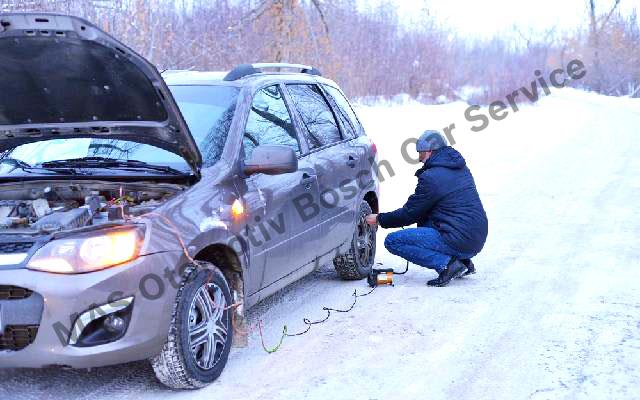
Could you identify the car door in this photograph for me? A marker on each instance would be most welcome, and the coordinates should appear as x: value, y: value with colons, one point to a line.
x: 359, y: 148
x: 335, y: 164
x: 276, y: 235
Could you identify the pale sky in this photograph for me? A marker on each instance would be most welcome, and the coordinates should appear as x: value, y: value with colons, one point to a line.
x: 486, y: 17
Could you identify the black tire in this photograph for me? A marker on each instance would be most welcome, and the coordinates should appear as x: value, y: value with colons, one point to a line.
x: 178, y: 366
x: 358, y: 261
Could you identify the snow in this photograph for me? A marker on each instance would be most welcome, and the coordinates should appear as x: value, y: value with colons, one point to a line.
x: 467, y: 92
x: 553, y: 312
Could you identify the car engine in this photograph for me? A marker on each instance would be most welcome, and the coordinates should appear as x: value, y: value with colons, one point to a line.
x: 47, y: 207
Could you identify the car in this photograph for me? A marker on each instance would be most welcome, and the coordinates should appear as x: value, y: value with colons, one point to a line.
x: 142, y: 214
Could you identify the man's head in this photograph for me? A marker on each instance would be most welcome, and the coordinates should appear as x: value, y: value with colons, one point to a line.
x: 429, y: 142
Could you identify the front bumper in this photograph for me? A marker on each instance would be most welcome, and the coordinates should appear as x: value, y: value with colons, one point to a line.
x: 67, y: 296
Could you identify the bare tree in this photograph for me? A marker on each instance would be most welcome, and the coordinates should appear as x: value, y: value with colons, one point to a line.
x: 594, y: 38
x: 285, y: 21
x: 369, y: 52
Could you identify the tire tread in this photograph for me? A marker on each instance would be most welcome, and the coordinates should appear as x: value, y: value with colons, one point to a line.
x: 347, y: 265
x: 169, y: 365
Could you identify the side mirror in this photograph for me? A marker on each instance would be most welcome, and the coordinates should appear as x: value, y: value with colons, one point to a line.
x: 271, y: 160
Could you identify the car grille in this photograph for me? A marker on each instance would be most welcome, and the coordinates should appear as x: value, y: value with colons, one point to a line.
x: 9, y: 248
x: 13, y: 292
x: 17, y: 337
x: 20, y: 316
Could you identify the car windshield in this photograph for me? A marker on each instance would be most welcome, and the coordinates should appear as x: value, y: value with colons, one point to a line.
x: 16, y: 161
x: 209, y: 111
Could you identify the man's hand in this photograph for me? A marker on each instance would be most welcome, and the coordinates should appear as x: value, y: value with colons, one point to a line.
x: 371, y: 219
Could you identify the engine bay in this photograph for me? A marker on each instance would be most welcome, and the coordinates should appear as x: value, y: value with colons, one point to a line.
x: 47, y: 207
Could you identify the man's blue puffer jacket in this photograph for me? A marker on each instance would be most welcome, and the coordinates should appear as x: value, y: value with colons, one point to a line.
x: 447, y: 200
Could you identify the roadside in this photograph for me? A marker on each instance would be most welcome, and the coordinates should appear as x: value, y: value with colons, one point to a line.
x: 554, y: 311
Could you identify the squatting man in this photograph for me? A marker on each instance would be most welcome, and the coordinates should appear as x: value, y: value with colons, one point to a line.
x: 451, y: 222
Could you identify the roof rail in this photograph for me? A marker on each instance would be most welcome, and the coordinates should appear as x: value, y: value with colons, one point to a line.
x: 243, y: 70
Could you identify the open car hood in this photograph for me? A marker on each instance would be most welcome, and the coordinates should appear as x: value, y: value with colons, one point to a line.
x: 62, y: 77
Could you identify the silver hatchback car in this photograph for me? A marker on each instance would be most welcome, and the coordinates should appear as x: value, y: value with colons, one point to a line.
x: 140, y: 216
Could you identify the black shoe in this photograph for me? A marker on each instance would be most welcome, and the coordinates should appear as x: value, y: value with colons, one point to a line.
x: 471, y: 269
x: 453, y: 270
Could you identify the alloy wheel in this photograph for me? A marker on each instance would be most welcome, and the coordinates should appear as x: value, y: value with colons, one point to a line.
x: 207, y: 328
x: 364, y: 242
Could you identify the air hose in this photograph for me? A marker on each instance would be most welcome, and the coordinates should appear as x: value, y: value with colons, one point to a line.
x: 310, y: 323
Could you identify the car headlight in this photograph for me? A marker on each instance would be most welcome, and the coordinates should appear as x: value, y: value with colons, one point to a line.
x: 88, y: 253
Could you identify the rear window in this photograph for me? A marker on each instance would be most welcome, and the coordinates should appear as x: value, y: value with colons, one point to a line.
x: 209, y: 111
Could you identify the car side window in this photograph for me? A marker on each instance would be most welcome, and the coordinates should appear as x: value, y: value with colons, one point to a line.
x: 344, y: 108
x: 269, y: 122
x: 347, y: 127
x: 322, y: 128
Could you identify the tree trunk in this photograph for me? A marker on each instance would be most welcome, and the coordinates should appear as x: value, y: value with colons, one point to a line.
x: 594, y: 41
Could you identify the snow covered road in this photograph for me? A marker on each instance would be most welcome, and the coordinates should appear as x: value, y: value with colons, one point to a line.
x: 554, y: 311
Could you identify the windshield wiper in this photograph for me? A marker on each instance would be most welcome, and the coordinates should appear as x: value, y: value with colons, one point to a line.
x: 103, y: 162
x: 15, y: 162
x: 26, y: 167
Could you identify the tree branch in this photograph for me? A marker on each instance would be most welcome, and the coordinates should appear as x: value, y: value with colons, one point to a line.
x: 254, y: 14
x: 286, y: 126
x: 604, y: 23
x: 316, y: 4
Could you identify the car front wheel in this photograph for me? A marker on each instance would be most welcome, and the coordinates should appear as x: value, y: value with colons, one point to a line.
x: 200, y: 334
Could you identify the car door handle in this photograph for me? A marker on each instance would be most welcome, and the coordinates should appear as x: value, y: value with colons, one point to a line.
x: 352, y: 161
x: 307, y: 180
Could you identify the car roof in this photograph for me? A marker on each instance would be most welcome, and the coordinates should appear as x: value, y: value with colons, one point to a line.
x: 189, y: 77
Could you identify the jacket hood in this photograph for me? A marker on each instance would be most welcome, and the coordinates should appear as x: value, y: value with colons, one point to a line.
x: 62, y: 77
x: 446, y: 157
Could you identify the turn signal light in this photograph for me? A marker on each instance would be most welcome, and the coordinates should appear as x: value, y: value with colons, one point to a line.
x: 237, y: 209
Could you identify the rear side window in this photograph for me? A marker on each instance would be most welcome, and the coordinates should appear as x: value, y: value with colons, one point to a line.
x: 322, y: 128
x: 344, y: 108
x: 269, y: 122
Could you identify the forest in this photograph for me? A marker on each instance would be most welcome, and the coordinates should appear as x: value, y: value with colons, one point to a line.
x: 371, y: 52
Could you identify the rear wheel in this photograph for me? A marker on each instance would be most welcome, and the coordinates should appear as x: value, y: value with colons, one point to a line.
x: 200, y: 334
x: 358, y: 261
